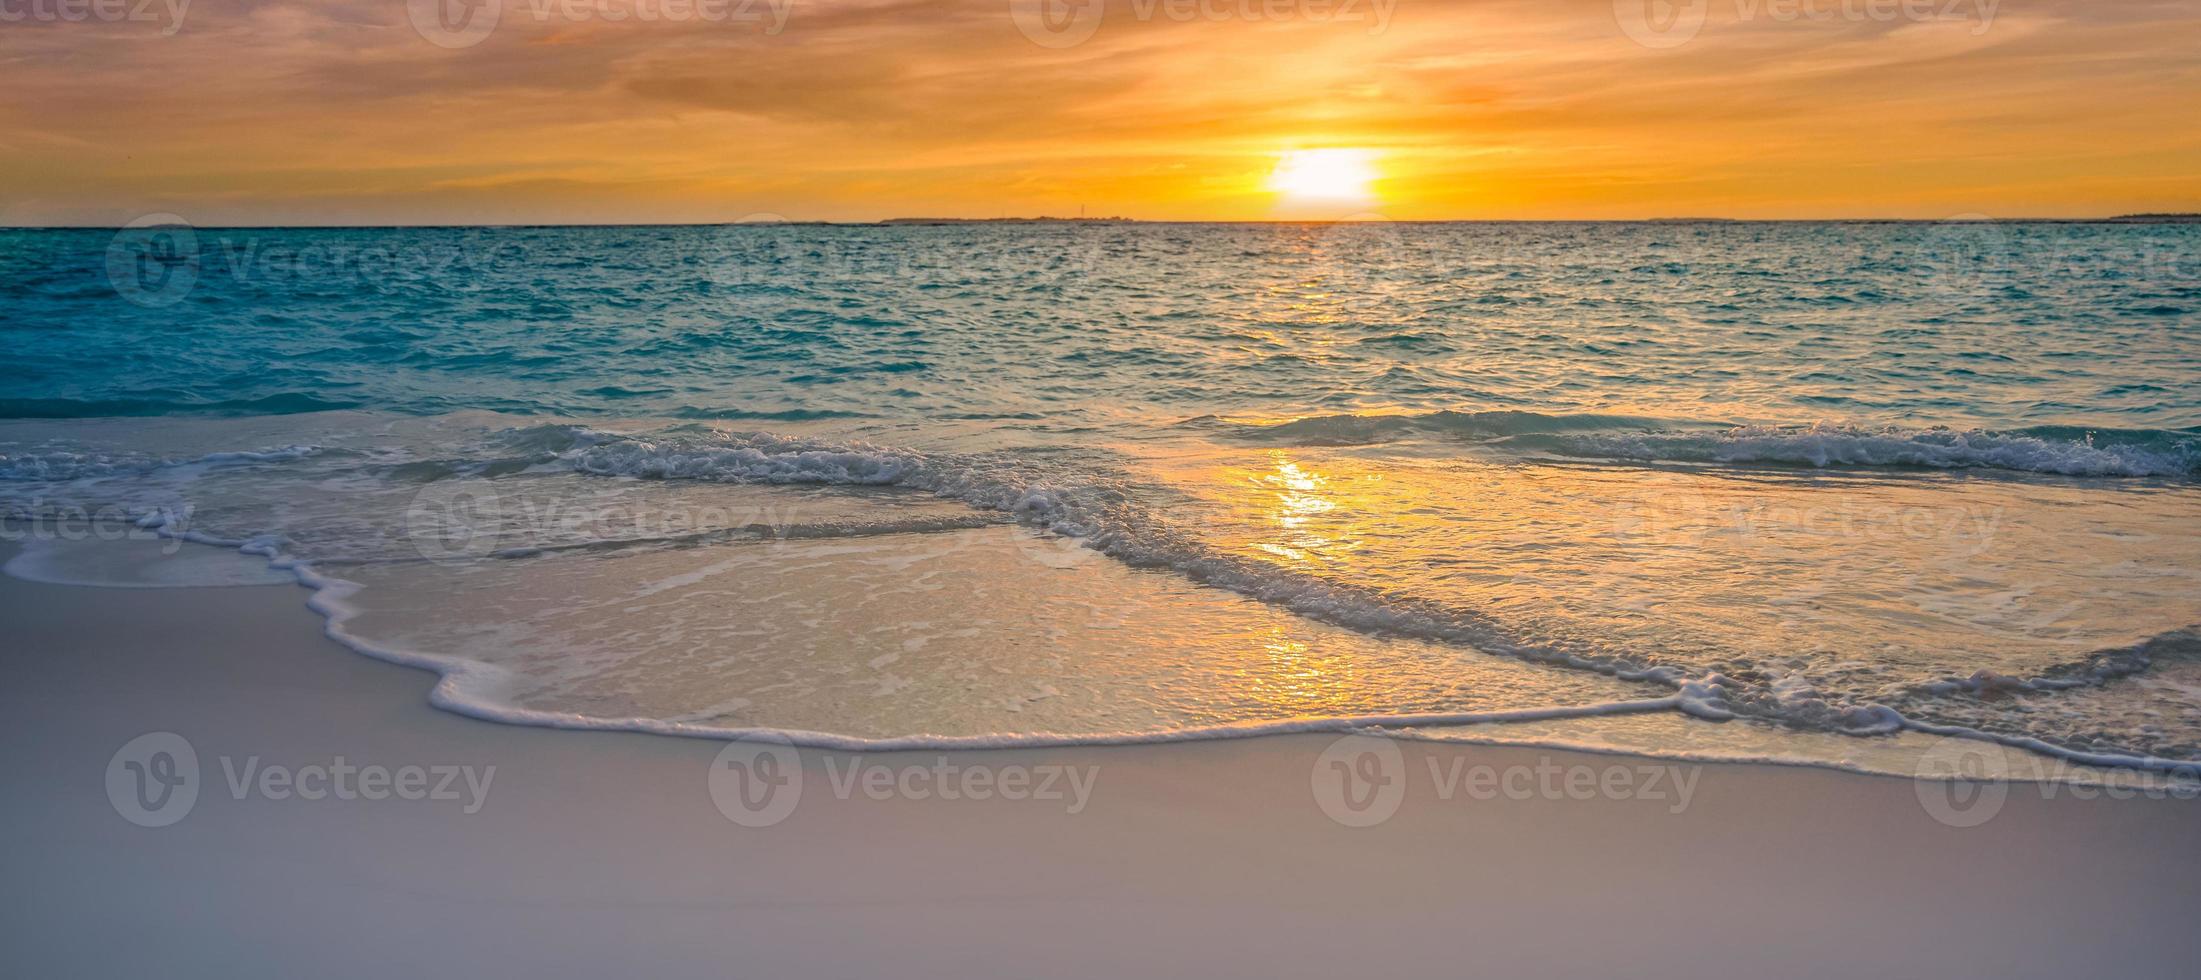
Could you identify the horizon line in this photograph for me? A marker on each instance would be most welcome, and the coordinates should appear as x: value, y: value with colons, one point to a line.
x: 2164, y: 217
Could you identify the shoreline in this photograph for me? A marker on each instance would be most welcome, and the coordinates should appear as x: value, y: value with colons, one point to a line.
x: 586, y: 845
x: 1905, y: 750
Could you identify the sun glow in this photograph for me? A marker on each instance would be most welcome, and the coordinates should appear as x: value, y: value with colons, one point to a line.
x: 1325, y: 175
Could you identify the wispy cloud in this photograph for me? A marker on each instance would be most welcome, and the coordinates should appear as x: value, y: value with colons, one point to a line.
x: 295, y: 111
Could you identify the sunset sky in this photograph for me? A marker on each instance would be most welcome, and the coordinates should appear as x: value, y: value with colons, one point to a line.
x: 346, y: 112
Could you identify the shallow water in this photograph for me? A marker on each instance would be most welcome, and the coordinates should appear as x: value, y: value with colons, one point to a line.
x: 1817, y: 487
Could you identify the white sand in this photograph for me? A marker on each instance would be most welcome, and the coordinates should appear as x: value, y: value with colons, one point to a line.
x: 603, y: 854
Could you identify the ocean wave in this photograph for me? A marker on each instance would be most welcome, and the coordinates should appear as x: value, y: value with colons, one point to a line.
x: 830, y: 530
x: 783, y: 415
x: 62, y: 465
x: 1357, y: 430
x: 754, y: 459
x: 2060, y: 450
x: 1101, y: 512
x: 1075, y: 495
x: 2131, y: 454
x: 286, y: 403
x: 480, y: 690
x: 2093, y: 670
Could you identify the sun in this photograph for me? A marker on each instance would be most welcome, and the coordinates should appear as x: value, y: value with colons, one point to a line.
x: 1324, y: 175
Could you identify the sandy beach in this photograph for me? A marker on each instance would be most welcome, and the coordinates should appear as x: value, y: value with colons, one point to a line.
x: 593, y: 853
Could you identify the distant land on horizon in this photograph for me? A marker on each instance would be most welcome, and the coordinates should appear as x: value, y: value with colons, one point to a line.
x: 2162, y: 218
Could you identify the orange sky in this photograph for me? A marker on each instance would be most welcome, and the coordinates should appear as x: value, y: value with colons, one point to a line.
x: 344, y: 112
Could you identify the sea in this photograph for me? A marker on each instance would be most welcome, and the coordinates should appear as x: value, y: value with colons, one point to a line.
x: 1840, y: 494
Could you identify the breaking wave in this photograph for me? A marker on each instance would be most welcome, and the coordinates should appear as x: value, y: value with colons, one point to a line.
x: 1072, y: 496
x: 1101, y: 513
x: 2060, y: 450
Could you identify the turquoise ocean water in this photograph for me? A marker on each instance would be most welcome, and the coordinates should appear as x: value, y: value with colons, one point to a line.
x: 1783, y: 490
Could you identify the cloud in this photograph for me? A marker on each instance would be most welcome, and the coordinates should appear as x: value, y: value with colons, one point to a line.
x: 297, y: 111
